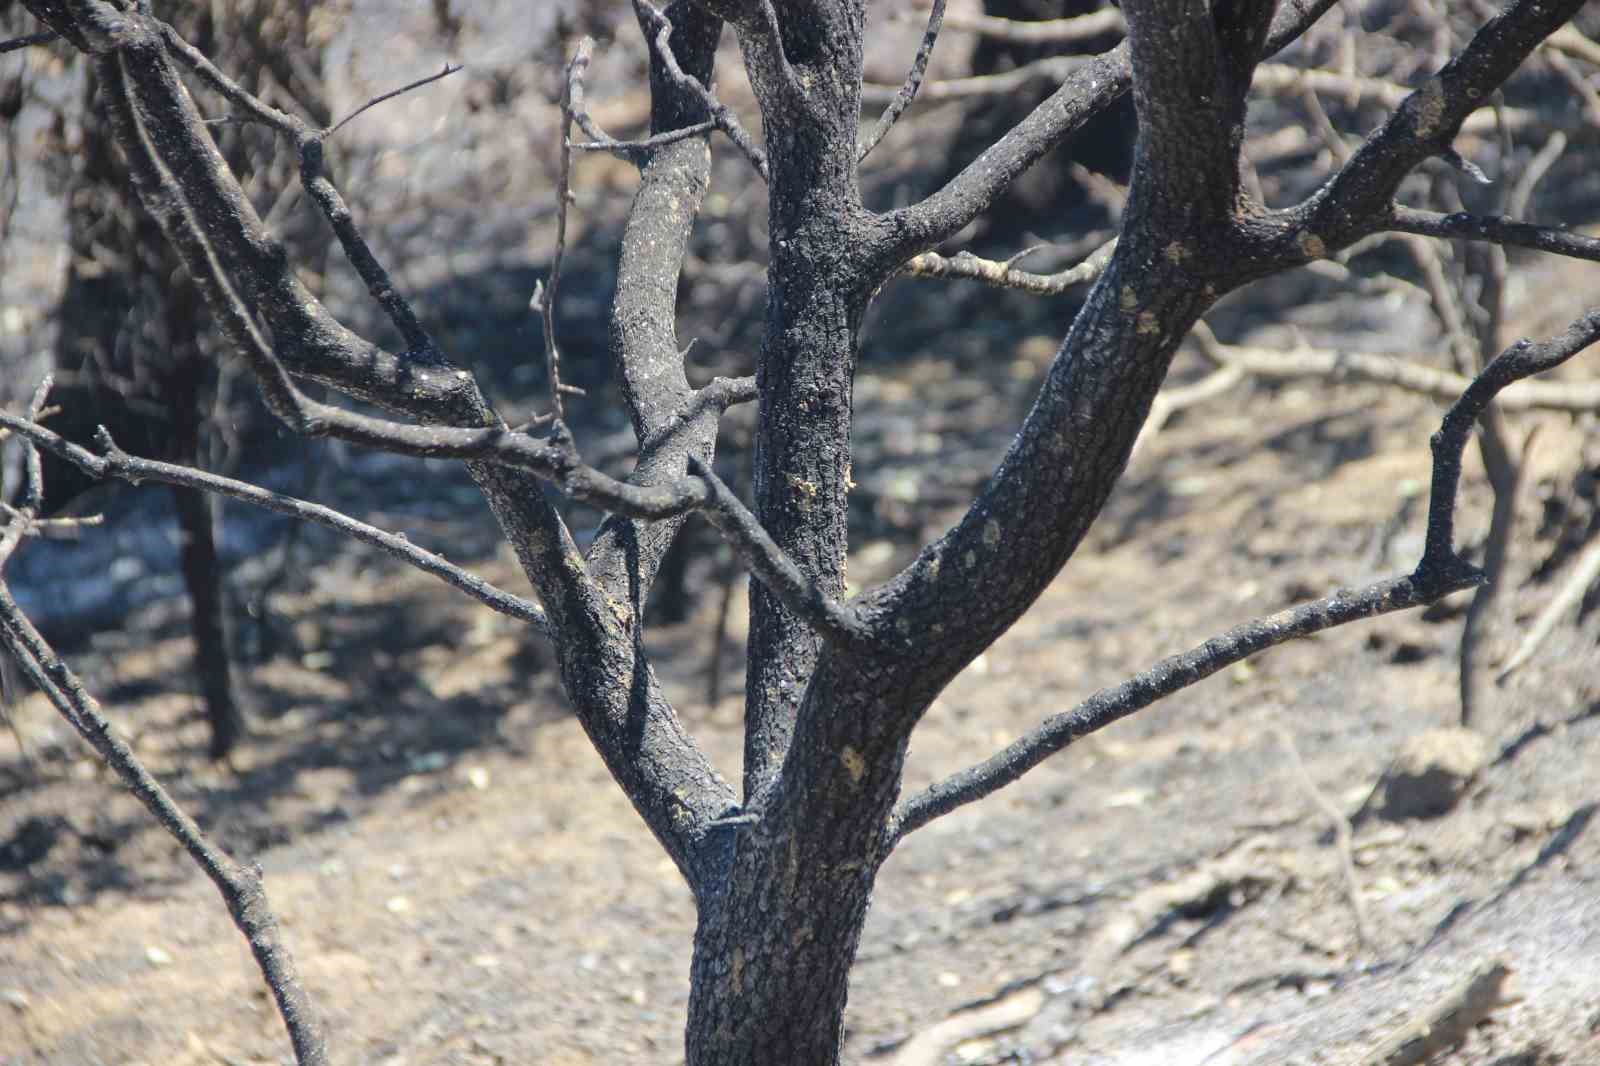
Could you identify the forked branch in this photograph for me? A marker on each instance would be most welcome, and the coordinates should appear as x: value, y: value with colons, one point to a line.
x: 1439, y: 573
x: 116, y: 463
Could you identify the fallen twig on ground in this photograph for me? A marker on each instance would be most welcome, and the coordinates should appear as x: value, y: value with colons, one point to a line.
x: 1342, y: 838
x: 1446, y: 1022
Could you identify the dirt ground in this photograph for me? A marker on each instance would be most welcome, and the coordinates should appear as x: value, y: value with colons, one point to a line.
x: 462, y: 884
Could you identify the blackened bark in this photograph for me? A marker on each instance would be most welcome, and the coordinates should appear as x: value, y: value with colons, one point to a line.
x: 130, y: 342
x: 200, y: 564
x: 783, y: 881
x: 809, y: 91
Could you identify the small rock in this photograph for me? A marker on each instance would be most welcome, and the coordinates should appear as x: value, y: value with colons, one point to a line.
x: 1431, y: 773
x: 157, y: 956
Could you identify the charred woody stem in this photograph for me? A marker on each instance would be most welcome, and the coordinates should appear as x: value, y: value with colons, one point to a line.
x: 782, y: 867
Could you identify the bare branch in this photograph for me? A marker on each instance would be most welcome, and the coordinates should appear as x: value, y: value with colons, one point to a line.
x: 600, y: 141
x: 908, y: 91
x: 1497, y: 229
x: 1169, y: 402
x: 832, y: 619
x: 1533, y: 173
x: 721, y: 114
x: 1003, y: 274
x: 544, y: 293
x: 1163, y: 679
x: 390, y: 95
x: 1439, y: 573
x: 1569, y: 40
x: 1091, y: 89
x: 239, y: 885
x: 116, y: 463
x: 23, y: 519
x: 1584, y: 574
x: 1282, y: 78
x: 253, y: 106
x: 1045, y: 31
x: 1055, y: 69
x: 16, y: 44
x: 1379, y: 369
x: 1424, y: 125
x: 1340, y: 825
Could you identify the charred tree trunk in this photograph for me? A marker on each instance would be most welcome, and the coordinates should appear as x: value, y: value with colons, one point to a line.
x: 131, y: 348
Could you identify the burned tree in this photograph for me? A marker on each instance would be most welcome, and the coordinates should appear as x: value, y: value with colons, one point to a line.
x: 135, y: 352
x: 782, y: 865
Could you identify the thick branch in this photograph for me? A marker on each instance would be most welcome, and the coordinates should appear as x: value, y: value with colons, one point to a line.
x: 1440, y: 572
x: 1356, y: 200
x: 669, y: 422
x: 183, y: 181
x: 1096, y: 86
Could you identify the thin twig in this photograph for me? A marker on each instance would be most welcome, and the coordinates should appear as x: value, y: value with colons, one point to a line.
x: 1284, y: 78
x: 1570, y: 40
x: 634, y: 150
x: 1342, y: 838
x: 721, y: 113
x: 543, y: 302
x: 1508, y: 231
x: 908, y: 90
x: 254, y: 106
x: 767, y: 561
x: 23, y: 518
x: 116, y: 463
x: 1380, y: 369
x: 390, y: 95
x: 1049, y: 69
x: 239, y: 884
x: 600, y: 140
x: 1533, y: 173
x: 1584, y: 573
x: 1169, y: 402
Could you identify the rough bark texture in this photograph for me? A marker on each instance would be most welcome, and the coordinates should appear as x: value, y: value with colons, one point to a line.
x: 782, y: 874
